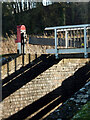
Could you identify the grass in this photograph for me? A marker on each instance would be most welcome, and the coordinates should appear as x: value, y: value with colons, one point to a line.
x: 84, y: 113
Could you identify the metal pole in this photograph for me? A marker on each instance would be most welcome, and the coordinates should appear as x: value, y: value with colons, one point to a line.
x: 85, y: 43
x: 66, y: 38
x: 56, y: 55
x: 19, y: 47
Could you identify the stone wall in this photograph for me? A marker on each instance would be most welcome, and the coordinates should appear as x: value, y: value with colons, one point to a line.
x: 34, y: 82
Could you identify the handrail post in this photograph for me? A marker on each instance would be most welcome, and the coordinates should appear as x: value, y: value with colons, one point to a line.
x: 66, y: 38
x: 56, y: 52
x: 85, y: 43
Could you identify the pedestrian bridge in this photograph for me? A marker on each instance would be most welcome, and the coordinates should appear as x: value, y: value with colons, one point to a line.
x: 71, y: 39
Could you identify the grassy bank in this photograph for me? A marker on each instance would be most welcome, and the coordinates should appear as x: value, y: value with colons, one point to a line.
x: 84, y: 113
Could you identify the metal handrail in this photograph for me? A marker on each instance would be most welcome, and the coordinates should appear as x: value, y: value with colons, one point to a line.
x: 67, y: 26
x: 66, y: 29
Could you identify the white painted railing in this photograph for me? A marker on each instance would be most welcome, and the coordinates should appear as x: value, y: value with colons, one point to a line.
x: 76, y: 39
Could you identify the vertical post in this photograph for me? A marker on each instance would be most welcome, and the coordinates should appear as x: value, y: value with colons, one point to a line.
x: 22, y: 5
x: 15, y: 65
x: 23, y: 53
x: 56, y: 55
x: 8, y: 68
x: 25, y: 36
x: 27, y: 5
x: 66, y: 38
x: 85, y: 43
x: 0, y: 57
x: 29, y: 57
x: 74, y: 38
x: 19, y: 47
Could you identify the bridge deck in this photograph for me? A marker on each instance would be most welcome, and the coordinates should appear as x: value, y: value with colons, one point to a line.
x: 68, y: 50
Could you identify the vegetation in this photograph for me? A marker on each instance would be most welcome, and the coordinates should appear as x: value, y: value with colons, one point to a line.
x: 38, y: 18
x: 84, y: 113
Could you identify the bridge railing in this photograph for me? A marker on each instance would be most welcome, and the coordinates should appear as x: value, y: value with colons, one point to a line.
x: 75, y: 37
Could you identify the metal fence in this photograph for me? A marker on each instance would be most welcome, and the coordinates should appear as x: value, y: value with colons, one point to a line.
x: 75, y: 38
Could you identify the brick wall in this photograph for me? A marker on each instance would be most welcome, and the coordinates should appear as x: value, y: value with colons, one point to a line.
x: 33, y: 88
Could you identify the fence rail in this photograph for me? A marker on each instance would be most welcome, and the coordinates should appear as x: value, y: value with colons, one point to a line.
x: 18, y: 62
